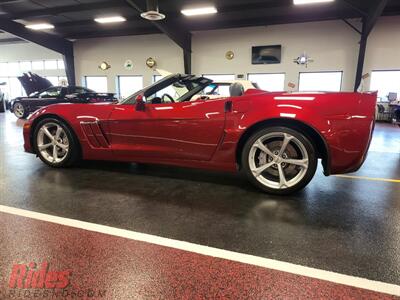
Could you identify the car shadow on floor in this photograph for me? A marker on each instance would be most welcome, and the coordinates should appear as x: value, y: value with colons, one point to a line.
x: 101, y: 183
x: 171, y: 172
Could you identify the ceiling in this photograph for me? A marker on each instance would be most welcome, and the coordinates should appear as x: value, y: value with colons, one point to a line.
x: 73, y: 19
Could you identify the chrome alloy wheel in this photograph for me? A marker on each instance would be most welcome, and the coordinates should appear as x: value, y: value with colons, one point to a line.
x: 278, y: 160
x: 19, y: 110
x: 52, y: 142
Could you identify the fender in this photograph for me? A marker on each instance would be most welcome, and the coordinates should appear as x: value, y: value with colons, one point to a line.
x: 77, y: 116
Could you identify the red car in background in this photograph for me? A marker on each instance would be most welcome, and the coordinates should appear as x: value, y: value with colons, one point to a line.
x: 276, y: 139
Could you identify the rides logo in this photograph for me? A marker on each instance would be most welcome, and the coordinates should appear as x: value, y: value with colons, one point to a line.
x: 34, y: 281
x: 30, y: 277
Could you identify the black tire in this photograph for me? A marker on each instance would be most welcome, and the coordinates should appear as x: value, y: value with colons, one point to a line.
x: 73, y: 154
x: 2, y: 106
x: 303, y: 139
x: 20, y: 110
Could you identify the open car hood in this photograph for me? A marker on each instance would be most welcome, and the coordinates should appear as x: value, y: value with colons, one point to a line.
x: 33, y: 83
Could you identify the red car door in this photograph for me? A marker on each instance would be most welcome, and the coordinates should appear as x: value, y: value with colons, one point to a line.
x: 186, y: 130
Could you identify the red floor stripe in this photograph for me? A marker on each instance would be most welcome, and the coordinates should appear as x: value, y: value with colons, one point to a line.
x: 126, y: 269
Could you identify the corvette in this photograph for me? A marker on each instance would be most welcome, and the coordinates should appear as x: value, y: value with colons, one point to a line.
x: 275, y: 139
x: 24, y: 106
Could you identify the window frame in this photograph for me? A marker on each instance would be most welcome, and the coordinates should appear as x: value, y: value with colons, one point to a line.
x: 274, y: 73
x: 118, y: 85
x: 37, y: 61
x: 206, y: 76
x: 50, y: 61
x: 385, y: 70
x: 85, y: 81
x: 320, y: 72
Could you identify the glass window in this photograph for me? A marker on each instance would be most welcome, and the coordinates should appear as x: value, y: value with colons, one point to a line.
x: 62, y: 80
x: 3, y: 69
x: 157, y: 78
x: 50, y: 64
x: 220, y: 77
x: 25, y: 66
x: 385, y: 82
x: 15, y: 88
x: 269, y: 82
x: 223, y: 89
x: 5, y: 88
x: 53, y: 79
x: 78, y: 90
x: 96, y: 83
x: 60, y: 64
x: 218, y: 90
x: 172, y: 90
x: 127, y: 85
x: 13, y: 69
x: 320, y: 81
x: 51, y: 92
x: 57, y: 80
x: 38, y: 65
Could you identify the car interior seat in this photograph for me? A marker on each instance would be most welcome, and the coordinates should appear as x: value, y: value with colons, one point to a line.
x: 236, y: 89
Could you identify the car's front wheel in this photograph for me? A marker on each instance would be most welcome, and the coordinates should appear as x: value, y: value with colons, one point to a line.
x: 279, y: 160
x: 20, y: 111
x: 55, y: 143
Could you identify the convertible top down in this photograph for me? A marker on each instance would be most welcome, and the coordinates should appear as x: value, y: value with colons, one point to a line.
x: 275, y: 139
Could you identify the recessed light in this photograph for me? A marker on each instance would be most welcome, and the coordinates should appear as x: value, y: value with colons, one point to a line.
x: 115, y: 19
x: 40, y: 26
x: 199, y: 11
x: 299, y: 2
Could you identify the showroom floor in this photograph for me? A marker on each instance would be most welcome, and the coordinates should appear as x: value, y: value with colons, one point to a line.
x: 349, y: 225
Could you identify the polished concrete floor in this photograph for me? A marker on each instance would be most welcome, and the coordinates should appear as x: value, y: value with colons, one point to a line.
x: 346, y: 225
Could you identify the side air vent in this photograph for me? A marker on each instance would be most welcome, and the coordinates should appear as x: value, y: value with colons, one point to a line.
x: 94, y: 135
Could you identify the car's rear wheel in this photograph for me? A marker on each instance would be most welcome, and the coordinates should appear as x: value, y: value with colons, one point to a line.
x: 20, y: 111
x: 279, y: 160
x: 55, y: 143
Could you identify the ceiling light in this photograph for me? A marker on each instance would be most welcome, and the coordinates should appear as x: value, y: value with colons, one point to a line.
x: 115, y: 19
x: 40, y: 26
x: 299, y: 2
x: 199, y: 11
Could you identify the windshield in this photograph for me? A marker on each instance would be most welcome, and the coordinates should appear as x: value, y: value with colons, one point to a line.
x: 171, y: 89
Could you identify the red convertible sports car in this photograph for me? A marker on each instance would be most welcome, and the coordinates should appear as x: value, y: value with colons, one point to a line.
x: 276, y: 139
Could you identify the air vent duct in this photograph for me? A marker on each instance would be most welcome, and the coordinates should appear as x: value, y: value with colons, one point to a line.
x: 152, y: 12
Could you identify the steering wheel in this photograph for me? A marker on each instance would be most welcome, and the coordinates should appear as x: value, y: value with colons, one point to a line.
x: 168, y: 96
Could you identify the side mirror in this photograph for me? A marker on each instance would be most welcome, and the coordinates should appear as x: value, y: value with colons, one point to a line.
x: 140, y: 104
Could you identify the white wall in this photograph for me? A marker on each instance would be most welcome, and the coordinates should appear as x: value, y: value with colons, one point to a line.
x: 332, y: 45
x: 116, y: 50
x: 29, y: 52
x: 383, y: 51
x: 25, y: 51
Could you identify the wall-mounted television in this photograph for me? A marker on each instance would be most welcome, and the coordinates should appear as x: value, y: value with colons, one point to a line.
x: 262, y: 55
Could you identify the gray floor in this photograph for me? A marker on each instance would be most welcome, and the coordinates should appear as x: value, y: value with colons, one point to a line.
x: 350, y: 226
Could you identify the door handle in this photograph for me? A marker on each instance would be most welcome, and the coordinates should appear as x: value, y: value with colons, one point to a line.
x: 228, y: 106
